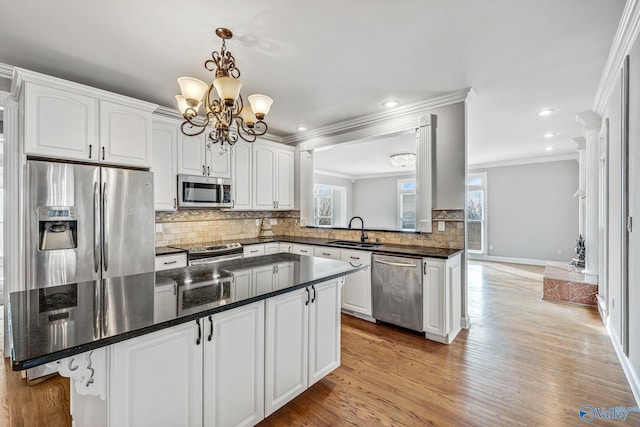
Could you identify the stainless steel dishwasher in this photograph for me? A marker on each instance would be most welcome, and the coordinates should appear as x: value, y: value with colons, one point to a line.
x: 396, y: 284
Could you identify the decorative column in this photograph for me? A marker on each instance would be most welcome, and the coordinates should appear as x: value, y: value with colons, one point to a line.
x: 582, y: 172
x: 591, y: 124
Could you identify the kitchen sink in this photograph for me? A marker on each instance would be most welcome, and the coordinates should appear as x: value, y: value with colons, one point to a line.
x: 352, y: 243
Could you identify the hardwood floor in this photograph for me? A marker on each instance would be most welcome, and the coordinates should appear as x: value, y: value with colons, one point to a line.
x: 524, y: 361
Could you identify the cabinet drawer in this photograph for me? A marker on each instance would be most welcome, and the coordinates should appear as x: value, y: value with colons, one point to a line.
x: 271, y: 248
x: 167, y: 262
x: 253, y: 250
x: 286, y: 247
x: 325, y: 252
x: 356, y: 257
x: 302, y: 250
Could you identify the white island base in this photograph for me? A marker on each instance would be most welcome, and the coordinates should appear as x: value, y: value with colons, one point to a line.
x: 233, y: 368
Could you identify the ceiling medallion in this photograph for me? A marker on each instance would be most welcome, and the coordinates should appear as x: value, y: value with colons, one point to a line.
x: 224, y: 112
x: 403, y: 160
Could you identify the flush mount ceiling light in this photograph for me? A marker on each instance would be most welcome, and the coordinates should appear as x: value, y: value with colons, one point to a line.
x: 301, y: 128
x: 545, y: 112
x: 549, y: 135
x: 224, y: 111
x: 390, y: 103
x: 403, y: 160
x: 548, y: 148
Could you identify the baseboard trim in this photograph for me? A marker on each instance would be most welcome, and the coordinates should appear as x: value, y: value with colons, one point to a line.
x: 465, y: 323
x: 509, y: 260
x: 632, y: 377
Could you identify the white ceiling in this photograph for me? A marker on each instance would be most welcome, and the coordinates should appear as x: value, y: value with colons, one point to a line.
x: 328, y: 61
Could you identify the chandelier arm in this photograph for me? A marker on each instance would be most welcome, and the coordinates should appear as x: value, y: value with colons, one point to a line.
x: 187, y: 126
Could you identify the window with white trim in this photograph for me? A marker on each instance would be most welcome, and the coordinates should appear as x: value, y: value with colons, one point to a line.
x: 477, y: 213
x: 407, y: 204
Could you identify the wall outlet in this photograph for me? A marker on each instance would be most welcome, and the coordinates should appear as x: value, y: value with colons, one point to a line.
x: 273, y: 221
x: 559, y: 251
x: 441, y: 225
x: 159, y: 228
x: 257, y: 223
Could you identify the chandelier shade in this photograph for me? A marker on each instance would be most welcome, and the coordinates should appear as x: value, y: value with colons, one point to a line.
x: 403, y: 160
x: 225, y: 117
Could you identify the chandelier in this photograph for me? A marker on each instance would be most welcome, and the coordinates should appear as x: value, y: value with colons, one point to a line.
x: 402, y: 160
x: 225, y: 116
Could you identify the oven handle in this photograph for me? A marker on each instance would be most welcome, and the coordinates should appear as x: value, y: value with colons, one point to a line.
x: 396, y: 264
x: 211, y: 260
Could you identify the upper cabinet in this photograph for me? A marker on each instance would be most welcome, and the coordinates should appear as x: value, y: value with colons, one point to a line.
x: 241, y: 156
x: 164, y: 165
x: 194, y: 158
x: 69, y: 121
x: 272, y: 176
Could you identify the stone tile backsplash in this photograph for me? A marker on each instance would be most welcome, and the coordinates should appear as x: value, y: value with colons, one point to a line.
x: 200, y: 225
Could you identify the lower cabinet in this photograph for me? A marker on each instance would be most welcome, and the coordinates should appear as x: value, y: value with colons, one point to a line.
x: 356, y: 293
x: 210, y: 373
x: 302, y: 341
x: 442, y: 298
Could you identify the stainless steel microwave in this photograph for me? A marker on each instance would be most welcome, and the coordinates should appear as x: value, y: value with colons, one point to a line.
x: 203, y: 192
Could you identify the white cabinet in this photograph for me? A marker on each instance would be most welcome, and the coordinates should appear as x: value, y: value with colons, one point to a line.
x: 164, y: 164
x: 286, y: 247
x: 356, y: 293
x: 302, y: 249
x: 253, y: 250
x: 271, y: 248
x: 241, y: 155
x: 207, y: 373
x: 69, y: 121
x: 167, y: 262
x: 156, y: 379
x: 234, y: 367
x: 326, y: 252
x: 302, y: 341
x: 273, y: 178
x: 125, y: 135
x: 442, y: 293
x: 60, y: 124
x: 195, y: 159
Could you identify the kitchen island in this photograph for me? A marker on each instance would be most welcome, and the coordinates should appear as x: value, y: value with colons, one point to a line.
x: 218, y: 344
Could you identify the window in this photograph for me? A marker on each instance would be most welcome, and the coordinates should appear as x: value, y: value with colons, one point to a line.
x: 477, y: 213
x: 329, y: 205
x: 407, y: 204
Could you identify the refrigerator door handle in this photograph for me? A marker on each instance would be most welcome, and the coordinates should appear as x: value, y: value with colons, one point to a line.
x: 96, y: 227
x: 105, y: 228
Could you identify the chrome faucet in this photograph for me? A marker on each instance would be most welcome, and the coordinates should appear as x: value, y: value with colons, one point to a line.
x: 363, y: 235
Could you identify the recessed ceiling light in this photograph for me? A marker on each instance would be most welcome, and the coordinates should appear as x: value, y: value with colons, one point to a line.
x: 548, y: 148
x: 544, y: 112
x: 302, y: 128
x: 549, y: 135
x: 390, y: 104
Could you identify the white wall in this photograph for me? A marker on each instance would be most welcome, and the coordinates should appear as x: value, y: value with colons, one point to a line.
x: 376, y: 201
x: 531, y: 210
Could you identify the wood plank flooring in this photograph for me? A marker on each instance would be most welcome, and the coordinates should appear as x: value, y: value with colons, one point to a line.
x: 524, y: 361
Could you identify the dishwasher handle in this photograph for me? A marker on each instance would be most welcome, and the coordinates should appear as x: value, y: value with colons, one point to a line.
x: 396, y: 264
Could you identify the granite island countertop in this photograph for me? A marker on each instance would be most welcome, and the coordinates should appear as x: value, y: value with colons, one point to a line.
x: 52, y: 323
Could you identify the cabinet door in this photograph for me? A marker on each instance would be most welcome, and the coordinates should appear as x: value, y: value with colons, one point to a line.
x: 286, y: 247
x: 234, y: 367
x: 191, y: 155
x: 241, y: 154
x: 60, y: 124
x: 286, y: 343
x: 219, y: 161
x: 263, y: 177
x: 263, y: 279
x: 434, y: 297
x: 284, y: 276
x: 242, y: 282
x: 156, y: 379
x: 356, y: 292
x: 164, y: 166
x: 284, y: 179
x: 324, y: 330
x: 125, y: 135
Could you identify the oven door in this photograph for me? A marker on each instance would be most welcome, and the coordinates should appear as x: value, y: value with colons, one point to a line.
x: 198, y: 191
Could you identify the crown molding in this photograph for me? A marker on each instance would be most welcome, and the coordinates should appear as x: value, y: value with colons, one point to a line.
x: 581, y: 142
x: 6, y: 71
x: 525, y: 161
x: 589, y: 120
x: 375, y: 118
x: 626, y: 35
x: 333, y: 174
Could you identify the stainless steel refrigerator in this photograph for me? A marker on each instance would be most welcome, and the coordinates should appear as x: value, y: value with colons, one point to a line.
x: 86, y: 223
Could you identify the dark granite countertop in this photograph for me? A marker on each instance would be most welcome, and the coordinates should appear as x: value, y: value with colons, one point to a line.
x: 402, y: 250
x: 52, y: 323
x: 168, y: 250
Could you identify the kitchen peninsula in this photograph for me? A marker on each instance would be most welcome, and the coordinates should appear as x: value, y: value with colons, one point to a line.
x: 201, y: 345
